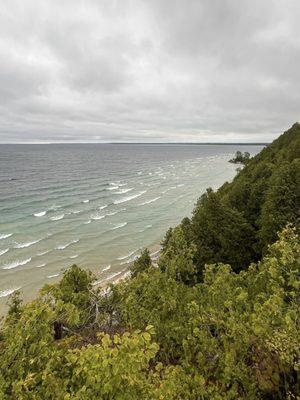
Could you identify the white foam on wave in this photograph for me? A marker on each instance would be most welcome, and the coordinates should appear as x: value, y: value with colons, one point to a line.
x: 75, y: 256
x: 123, y: 184
x: 102, y: 207
x: 16, y: 264
x: 150, y: 201
x: 97, y: 217
x: 57, y: 217
x: 111, y: 213
x: 40, y: 214
x: 3, y: 252
x: 122, y: 191
x: 113, y: 187
x: 144, y: 229
x: 109, y: 277
x: 86, y: 201
x: 5, y: 235
x: 64, y: 246
x: 106, y: 268
x: 26, y: 244
x: 127, y: 255
x: 88, y: 222
x: 42, y: 253
x: 52, y: 276
x: 7, y: 292
x: 130, y: 260
x: 40, y: 266
x: 128, y: 198
x: 119, y: 226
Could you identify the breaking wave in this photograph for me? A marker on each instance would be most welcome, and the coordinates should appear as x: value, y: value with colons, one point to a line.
x: 150, y: 201
x: 3, y: 252
x: 5, y: 235
x: 57, y: 217
x: 127, y: 255
x: 16, y: 264
x: 40, y: 214
x: 41, y: 265
x: 26, y: 244
x: 43, y: 253
x: 122, y: 191
x: 97, y: 217
x: 7, y: 292
x: 119, y: 226
x: 64, y: 246
x: 128, y: 198
x: 52, y: 276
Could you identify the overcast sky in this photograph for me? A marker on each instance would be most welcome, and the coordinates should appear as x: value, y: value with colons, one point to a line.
x: 152, y: 70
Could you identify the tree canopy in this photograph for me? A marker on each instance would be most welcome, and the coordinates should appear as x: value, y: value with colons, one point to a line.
x: 216, y: 318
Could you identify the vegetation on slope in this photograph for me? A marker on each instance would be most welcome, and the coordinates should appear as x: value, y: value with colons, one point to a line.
x: 240, y: 158
x: 217, y: 318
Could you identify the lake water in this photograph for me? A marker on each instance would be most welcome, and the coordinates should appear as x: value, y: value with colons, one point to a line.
x: 95, y: 205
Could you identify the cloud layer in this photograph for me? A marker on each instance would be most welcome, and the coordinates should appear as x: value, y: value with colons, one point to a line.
x: 125, y: 70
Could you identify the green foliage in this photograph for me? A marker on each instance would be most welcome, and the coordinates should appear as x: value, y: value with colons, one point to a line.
x: 234, y: 336
x: 111, y: 369
x: 243, y: 327
x: 15, y: 305
x: 26, y: 348
x: 177, y: 258
x: 141, y: 264
x: 235, y: 224
x: 220, y: 233
x: 282, y: 201
x: 72, y: 298
x: 242, y: 158
x: 156, y: 299
x: 210, y: 321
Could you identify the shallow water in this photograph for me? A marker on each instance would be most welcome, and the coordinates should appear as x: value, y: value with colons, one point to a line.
x: 95, y: 205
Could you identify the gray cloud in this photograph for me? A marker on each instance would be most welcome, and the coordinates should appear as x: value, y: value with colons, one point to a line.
x: 132, y: 70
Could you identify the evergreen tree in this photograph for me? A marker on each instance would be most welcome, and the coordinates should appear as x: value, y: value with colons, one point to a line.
x: 221, y: 234
x: 282, y: 202
x: 141, y: 264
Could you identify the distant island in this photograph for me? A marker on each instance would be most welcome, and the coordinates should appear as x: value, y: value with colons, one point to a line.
x: 216, y: 317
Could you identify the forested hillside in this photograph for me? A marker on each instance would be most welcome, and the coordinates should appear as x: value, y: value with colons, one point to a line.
x: 216, y: 318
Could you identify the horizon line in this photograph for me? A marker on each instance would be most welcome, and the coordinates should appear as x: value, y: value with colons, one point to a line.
x: 139, y: 143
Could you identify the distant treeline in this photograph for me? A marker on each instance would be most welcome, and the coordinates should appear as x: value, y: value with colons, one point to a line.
x: 216, y: 318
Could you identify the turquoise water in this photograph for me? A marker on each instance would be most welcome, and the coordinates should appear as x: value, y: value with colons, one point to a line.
x: 95, y: 205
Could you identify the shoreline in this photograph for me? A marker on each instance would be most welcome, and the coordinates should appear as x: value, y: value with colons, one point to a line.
x: 123, y: 274
x: 98, y: 283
